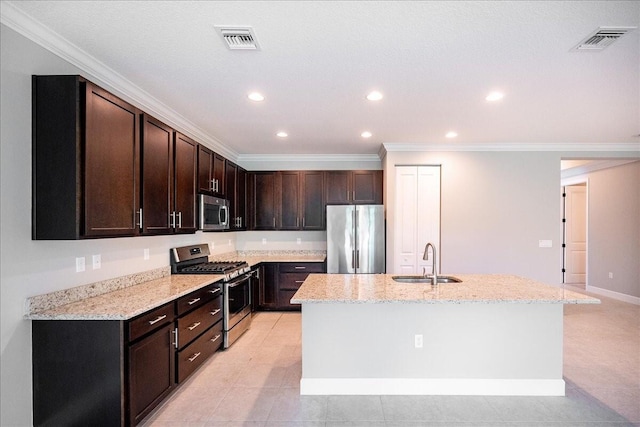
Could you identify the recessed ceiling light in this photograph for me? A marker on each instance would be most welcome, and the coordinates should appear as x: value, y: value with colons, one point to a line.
x: 374, y: 96
x: 366, y: 134
x: 451, y: 134
x: 494, y: 96
x: 255, y: 96
x: 282, y: 134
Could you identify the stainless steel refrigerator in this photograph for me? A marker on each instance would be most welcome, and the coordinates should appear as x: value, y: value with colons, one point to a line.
x: 355, y: 239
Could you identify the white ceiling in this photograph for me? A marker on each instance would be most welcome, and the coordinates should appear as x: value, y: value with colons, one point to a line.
x: 434, y: 61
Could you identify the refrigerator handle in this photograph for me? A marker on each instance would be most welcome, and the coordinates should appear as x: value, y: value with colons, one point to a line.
x: 353, y: 259
x: 357, y: 259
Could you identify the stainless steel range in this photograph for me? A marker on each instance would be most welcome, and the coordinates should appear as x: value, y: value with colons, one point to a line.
x: 237, y: 285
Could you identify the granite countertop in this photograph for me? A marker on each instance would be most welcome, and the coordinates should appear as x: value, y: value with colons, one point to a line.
x: 125, y: 297
x: 474, y: 288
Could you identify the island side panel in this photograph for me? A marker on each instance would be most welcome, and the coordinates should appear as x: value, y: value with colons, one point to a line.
x: 493, y: 349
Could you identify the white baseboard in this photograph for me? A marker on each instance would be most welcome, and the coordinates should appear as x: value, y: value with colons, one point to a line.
x: 612, y: 294
x: 432, y: 386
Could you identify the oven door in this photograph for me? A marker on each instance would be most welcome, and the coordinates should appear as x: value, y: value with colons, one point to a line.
x: 237, y: 307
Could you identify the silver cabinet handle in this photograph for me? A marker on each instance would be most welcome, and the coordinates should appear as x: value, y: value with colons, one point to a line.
x: 354, y: 195
x: 240, y: 218
x: 274, y: 222
x: 216, y: 338
x: 193, y: 301
x: 179, y: 219
x: 192, y: 327
x: 139, y: 223
x: 157, y: 319
x: 214, y: 312
x: 302, y: 222
x: 299, y: 281
x: 214, y: 291
x: 172, y: 219
x: 300, y: 267
x: 297, y: 222
x: 194, y: 357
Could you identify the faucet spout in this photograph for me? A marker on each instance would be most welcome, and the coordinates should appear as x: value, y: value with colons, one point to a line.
x: 434, y: 275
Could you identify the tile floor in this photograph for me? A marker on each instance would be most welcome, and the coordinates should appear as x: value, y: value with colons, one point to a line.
x: 256, y: 383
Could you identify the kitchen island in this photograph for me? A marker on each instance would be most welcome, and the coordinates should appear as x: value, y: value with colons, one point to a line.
x: 487, y: 335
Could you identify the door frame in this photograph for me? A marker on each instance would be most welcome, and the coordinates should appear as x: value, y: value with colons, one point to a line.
x: 565, y: 183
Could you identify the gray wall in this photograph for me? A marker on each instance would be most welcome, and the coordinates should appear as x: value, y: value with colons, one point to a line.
x: 614, y: 229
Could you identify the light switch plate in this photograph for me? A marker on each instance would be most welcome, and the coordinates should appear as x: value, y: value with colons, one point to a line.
x: 146, y: 254
x: 96, y: 261
x: 79, y: 264
x: 545, y: 243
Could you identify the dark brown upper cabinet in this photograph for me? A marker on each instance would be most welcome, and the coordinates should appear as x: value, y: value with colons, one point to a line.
x: 236, y: 189
x: 168, y: 179
x: 184, y: 175
x: 262, y: 200
x: 353, y: 187
x: 86, y: 161
x: 211, y: 172
x: 287, y: 200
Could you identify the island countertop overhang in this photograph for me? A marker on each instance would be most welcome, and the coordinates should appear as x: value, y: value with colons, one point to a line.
x: 474, y: 288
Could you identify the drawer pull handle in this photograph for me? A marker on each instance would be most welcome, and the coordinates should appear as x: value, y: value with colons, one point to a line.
x: 216, y: 311
x: 300, y: 268
x: 216, y: 338
x: 195, y: 325
x: 214, y: 291
x: 157, y: 319
x: 193, y: 301
x: 299, y: 281
x: 194, y: 357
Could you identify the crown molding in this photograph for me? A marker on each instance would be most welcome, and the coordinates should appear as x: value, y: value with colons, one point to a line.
x: 101, y: 74
x: 565, y: 147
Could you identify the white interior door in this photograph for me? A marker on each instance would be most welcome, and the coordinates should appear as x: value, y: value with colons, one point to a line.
x: 418, y: 217
x: 576, y: 234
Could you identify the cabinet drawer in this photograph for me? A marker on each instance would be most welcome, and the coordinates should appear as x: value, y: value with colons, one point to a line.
x: 199, y: 297
x: 302, y: 267
x: 199, y: 320
x: 291, y: 281
x: 150, y: 321
x: 199, y: 351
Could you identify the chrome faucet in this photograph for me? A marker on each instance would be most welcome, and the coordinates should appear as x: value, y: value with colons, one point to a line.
x: 434, y: 275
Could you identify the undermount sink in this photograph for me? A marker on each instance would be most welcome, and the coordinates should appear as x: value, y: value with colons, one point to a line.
x: 422, y: 279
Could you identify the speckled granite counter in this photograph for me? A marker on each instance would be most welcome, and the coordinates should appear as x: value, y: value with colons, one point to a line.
x: 474, y: 288
x: 125, y: 297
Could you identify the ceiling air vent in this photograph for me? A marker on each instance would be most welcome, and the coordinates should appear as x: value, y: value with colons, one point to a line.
x: 238, y: 38
x: 602, y: 38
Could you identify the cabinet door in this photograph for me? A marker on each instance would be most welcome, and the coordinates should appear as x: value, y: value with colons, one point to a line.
x: 367, y: 187
x: 338, y: 187
x: 151, y: 372
x: 184, y: 210
x: 205, y: 170
x: 288, y: 185
x: 241, y: 198
x: 218, y: 175
x: 268, y: 287
x: 262, y: 202
x: 157, y: 176
x: 312, y: 200
x: 230, y: 192
x: 112, y: 165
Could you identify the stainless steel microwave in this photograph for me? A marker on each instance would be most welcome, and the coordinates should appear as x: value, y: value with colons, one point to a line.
x: 214, y: 213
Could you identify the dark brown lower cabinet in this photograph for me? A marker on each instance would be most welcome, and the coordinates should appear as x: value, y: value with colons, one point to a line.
x: 115, y: 372
x: 279, y: 281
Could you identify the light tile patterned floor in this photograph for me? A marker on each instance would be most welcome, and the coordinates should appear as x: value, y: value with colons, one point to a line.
x: 256, y: 383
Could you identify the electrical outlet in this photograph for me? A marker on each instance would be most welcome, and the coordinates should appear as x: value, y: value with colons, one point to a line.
x: 79, y: 264
x: 299, y: 241
x: 146, y: 254
x: 610, y: 275
x: 264, y: 241
x: 418, y: 341
x: 96, y: 261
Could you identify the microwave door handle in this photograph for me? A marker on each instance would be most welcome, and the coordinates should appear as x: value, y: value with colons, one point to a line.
x: 226, y: 215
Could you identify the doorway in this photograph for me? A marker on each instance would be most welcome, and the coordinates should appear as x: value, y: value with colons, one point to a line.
x: 574, y: 243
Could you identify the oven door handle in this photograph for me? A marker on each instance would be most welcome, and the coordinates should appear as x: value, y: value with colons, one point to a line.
x: 239, y: 280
